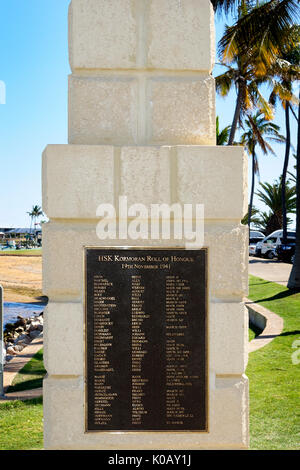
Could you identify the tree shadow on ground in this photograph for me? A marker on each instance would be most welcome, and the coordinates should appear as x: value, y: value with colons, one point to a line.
x: 28, y: 385
x: 290, y: 333
x: 279, y: 296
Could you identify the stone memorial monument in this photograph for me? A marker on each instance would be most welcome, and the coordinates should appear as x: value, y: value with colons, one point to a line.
x: 145, y: 337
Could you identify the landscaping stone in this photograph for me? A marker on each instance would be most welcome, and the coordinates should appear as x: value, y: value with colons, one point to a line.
x: 18, y: 335
x: 34, y: 334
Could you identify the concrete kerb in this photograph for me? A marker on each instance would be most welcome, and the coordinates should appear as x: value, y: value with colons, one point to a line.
x: 263, y: 318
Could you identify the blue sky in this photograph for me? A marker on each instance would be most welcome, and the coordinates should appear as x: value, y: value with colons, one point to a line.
x: 34, y: 66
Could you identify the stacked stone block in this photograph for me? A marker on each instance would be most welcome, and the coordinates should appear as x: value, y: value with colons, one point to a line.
x: 142, y: 124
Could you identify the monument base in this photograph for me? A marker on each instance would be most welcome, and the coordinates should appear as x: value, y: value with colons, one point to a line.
x: 148, y: 175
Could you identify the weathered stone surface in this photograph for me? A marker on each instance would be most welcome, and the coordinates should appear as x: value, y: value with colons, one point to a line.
x: 145, y: 175
x: 185, y: 174
x: 89, y: 182
x: 103, y: 110
x: 181, y: 35
x: 130, y: 34
x: 213, y: 176
x: 182, y: 111
x: 64, y: 421
x: 228, y: 333
x: 64, y: 243
x: 227, y: 260
x: 103, y: 34
x: 63, y: 351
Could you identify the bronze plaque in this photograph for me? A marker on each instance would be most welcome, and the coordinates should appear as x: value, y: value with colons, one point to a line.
x: 146, y: 339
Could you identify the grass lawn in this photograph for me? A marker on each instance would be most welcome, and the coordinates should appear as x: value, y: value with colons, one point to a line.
x: 274, y: 380
x: 21, y: 425
x: 31, y: 376
x: 274, y: 384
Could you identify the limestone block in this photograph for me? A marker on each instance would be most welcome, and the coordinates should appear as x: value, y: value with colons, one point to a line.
x: 228, y: 338
x: 181, y: 35
x: 63, y: 247
x: 64, y: 421
x: 230, y: 412
x: 102, y: 34
x: 63, y: 411
x: 181, y: 111
x: 103, y: 110
x: 214, y: 176
x: 76, y: 179
x: 63, y: 333
x: 145, y: 175
x: 227, y: 260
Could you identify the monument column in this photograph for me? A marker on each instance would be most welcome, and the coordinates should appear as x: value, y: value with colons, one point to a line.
x: 142, y: 125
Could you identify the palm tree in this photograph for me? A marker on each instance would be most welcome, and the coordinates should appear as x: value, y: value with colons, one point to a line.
x: 242, y: 74
x: 258, y: 132
x: 293, y: 176
x: 270, y: 195
x: 261, y: 34
x: 283, y: 73
x: 255, y: 217
x: 263, y: 222
x: 35, y: 212
x: 294, y: 279
x: 222, y: 135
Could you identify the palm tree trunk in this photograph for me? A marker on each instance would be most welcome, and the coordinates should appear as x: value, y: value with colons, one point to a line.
x: 252, y: 190
x: 285, y: 168
x: 236, y: 115
x: 294, y: 280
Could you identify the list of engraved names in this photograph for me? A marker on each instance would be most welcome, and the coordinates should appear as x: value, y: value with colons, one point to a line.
x: 146, y: 340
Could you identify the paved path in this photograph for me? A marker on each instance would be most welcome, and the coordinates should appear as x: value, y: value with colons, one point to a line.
x: 24, y: 395
x: 274, y: 326
x: 18, y: 362
x: 271, y: 270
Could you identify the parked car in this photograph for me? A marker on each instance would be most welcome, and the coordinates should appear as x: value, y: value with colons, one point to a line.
x: 268, y: 246
x: 286, y: 251
x: 254, y: 238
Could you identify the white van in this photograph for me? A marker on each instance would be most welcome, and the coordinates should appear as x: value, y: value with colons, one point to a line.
x: 268, y: 245
x: 254, y: 238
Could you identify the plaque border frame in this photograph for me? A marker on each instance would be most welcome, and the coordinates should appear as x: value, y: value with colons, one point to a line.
x: 207, y: 381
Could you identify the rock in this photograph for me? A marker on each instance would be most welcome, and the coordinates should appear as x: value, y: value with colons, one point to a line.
x: 21, y: 322
x: 18, y: 348
x: 23, y: 343
x: 34, y: 325
x: 9, y: 327
x: 11, y: 351
x: 20, y: 329
x: 34, y: 334
x: 23, y: 338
